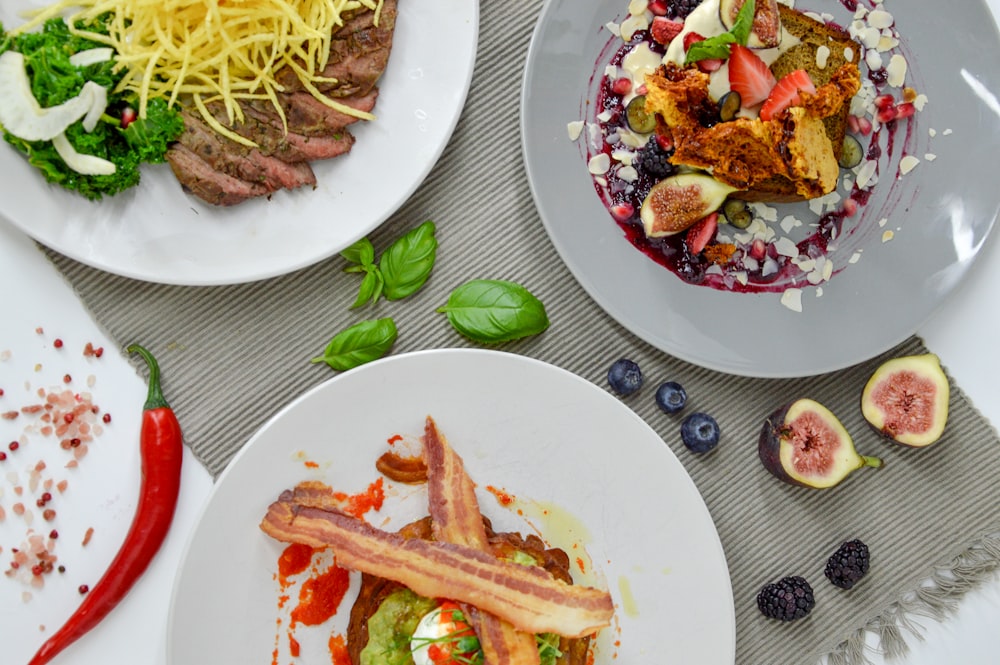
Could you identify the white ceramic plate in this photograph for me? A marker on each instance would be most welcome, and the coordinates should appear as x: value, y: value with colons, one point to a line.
x: 563, y: 447
x: 940, y: 213
x: 156, y: 232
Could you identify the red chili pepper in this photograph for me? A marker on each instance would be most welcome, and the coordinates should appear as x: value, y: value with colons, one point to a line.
x: 161, y: 448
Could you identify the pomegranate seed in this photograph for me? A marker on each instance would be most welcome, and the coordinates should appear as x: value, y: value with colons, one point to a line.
x: 14, y: 445
x: 3, y: 455
x: 83, y: 588
x: 58, y: 343
x: 48, y: 514
x: 128, y: 116
x: 36, y: 570
x: 864, y: 126
x: 46, y: 497
x: 53, y: 535
x: 852, y: 123
x: 622, y: 211
x: 886, y: 114
x: 61, y: 569
x: 758, y: 249
x: 15, y: 565
x: 67, y: 379
x: 665, y: 142
x: 99, y: 351
x: 1, y: 392
x: 40, y: 503
x: 74, y: 443
x: 657, y: 7
x: 905, y: 110
x: 850, y: 207
x: 621, y: 86
x: 884, y: 101
x: 68, y: 418
x: 106, y: 418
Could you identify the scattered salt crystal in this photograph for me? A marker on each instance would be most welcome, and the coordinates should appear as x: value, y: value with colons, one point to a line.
x: 574, y: 129
x: 822, y: 55
x: 792, y: 299
x: 896, y: 69
x: 907, y: 164
x: 599, y: 164
x: 888, y: 235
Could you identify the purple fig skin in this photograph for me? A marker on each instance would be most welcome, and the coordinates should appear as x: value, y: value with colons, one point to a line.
x: 778, y: 435
x: 769, y: 446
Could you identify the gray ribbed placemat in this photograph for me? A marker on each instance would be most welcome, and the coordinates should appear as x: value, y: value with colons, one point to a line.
x: 232, y: 356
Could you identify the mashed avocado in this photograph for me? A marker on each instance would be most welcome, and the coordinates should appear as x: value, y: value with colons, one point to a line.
x: 390, y: 628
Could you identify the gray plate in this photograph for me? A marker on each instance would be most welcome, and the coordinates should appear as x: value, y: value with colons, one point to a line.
x: 941, y: 212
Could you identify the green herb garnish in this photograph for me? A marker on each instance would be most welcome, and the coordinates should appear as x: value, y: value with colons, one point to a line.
x: 401, y: 271
x: 717, y: 47
x: 54, y: 80
x: 361, y: 343
x: 494, y: 311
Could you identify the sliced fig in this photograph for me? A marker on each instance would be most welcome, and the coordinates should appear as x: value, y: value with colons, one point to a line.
x: 906, y: 400
x: 765, y: 31
x: 677, y: 202
x: 804, y: 444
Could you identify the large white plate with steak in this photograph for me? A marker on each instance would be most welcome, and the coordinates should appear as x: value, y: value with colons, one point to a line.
x: 222, y: 213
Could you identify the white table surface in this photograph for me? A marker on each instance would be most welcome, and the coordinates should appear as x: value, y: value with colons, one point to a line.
x: 102, y: 490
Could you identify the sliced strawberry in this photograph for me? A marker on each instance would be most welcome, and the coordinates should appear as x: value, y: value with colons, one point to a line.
x: 709, y: 65
x: 699, y: 235
x: 749, y: 75
x: 663, y: 30
x: 786, y: 93
x: 657, y: 7
x: 691, y: 38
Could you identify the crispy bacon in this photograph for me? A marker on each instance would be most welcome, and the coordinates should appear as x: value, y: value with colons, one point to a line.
x: 455, y: 516
x: 527, y: 597
x: 409, y: 470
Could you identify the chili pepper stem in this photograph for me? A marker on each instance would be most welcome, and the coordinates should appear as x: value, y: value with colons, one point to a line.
x: 154, y: 398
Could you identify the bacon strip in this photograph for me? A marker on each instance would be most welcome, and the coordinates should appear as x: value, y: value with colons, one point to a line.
x: 455, y: 518
x: 527, y: 597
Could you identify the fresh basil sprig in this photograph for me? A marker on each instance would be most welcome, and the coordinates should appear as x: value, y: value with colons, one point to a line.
x: 359, y: 344
x: 408, y: 262
x: 493, y: 311
x: 402, y: 270
x: 717, y: 47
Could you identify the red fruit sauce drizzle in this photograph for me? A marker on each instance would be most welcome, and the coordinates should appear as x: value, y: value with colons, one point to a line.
x: 835, y: 235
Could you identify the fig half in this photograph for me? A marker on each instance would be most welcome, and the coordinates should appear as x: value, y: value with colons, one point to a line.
x: 804, y: 444
x: 906, y: 400
x: 677, y: 202
x: 765, y: 31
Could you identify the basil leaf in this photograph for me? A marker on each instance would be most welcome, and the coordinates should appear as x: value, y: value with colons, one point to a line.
x: 493, y: 311
x: 362, y: 252
x: 359, y: 344
x: 371, y: 286
x: 717, y: 47
x: 408, y: 262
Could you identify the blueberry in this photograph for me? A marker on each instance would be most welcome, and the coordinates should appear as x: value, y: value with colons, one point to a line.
x: 625, y: 377
x: 671, y: 397
x: 700, y: 432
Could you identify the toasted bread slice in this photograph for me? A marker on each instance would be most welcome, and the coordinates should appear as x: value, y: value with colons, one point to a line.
x: 792, y: 157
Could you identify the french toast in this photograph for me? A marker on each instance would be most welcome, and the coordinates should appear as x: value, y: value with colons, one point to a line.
x: 790, y: 157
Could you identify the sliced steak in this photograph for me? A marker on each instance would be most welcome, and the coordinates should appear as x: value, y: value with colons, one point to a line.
x: 198, y: 177
x: 359, y: 53
x: 309, y: 116
x: 241, y: 161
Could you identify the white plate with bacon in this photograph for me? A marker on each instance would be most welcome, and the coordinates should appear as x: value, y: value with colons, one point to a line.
x: 159, y: 233
x: 531, y: 447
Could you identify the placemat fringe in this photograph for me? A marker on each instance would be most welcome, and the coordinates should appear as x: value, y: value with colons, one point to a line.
x: 937, y: 599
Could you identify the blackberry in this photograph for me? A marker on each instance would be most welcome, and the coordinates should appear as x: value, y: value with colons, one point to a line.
x: 848, y: 564
x: 654, y: 160
x: 787, y: 599
x: 679, y: 9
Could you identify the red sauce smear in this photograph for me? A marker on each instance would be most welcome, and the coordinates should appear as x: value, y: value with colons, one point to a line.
x: 338, y: 650
x: 359, y: 504
x: 503, y: 498
x: 293, y: 561
x: 392, y: 440
x: 320, y: 596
